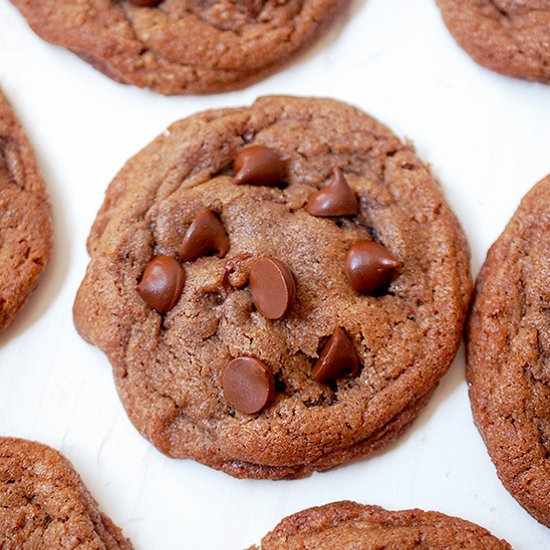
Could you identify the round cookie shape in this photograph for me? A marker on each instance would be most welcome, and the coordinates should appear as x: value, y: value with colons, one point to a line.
x: 508, y: 353
x: 169, y: 368
x: 44, y: 504
x: 347, y: 526
x: 507, y: 36
x: 175, y: 47
x: 25, y: 217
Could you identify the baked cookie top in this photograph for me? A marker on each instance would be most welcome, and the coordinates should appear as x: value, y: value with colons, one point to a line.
x: 25, y: 217
x: 508, y: 353
x: 348, y: 525
x: 257, y: 324
x: 176, y: 47
x: 507, y: 36
x: 44, y: 504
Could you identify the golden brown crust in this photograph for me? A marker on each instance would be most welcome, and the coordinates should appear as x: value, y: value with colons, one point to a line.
x: 44, y: 504
x: 25, y: 217
x: 508, y: 353
x: 507, y: 36
x: 168, y: 370
x: 347, y: 526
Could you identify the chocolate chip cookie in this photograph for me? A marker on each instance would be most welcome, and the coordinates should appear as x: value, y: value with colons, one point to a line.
x: 507, y: 36
x: 176, y: 47
x: 508, y: 353
x: 44, y: 504
x: 348, y: 525
x: 25, y: 217
x: 279, y: 288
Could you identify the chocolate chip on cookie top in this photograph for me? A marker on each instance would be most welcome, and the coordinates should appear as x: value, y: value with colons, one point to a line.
x: 335, y: 199
x: 337, y: 359
x: 369, y: 266
x: 350, y: 370
x: 248, y: 384
x: 272, y: 286
x: 162, y: 283
x: 146, y: 3
x: 258, y: 165
x: 206, y: 235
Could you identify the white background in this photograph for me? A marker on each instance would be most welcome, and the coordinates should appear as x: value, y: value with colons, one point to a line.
x: 487, y: 138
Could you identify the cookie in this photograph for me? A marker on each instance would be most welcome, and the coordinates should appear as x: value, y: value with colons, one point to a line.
x: 44, y: 504
x: 507, y: 36
x: 176, y: 47
x: 348, y: 525
x: 279, y: 288
x: 508, y: 353
x: 25, y: 217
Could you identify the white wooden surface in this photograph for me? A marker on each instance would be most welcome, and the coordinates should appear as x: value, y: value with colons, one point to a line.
x: 487, y: 138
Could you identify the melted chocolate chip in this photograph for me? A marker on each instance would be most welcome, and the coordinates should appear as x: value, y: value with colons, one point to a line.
x: 162, y: 283
x: 248, y: 384
x: 369, y: 266
x: 146, y: 3
x: 258, y: 165
x: 206, y: 235
x: 272, y: 287
x: 253, y: 7
x: 338, y: 358
x: 335, y: 199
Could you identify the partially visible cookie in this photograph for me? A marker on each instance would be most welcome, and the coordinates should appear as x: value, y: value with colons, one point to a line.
x: 508, y: 353
x: 279, y: 287
x: 508, y: 36
x: 44, y: 504
x: 25, y: 217
x: 350, y: 526
x: 175, y: 47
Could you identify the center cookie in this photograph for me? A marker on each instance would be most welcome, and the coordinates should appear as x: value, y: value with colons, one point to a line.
x: 182, y: 47
x: 279, y: 287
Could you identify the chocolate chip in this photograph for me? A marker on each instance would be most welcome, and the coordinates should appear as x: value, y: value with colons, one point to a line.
x: 335, y: 199
x: 206, y: 235
x: 253, y: 7
x: 272, y: 287
x: 337, y: 359
x: 258, y: 165
x: 146, y: 3
x: 248, y: 384
x: 369, y: 266
x: 162, y: 283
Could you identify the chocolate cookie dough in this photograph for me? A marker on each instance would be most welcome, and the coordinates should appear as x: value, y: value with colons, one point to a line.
x: 350, y: 526
x: 508, y: 353
x: 25, y: 218
x: 507, y: 36
x: 44, y: 504
x: 176, y: 47
x: 273, y: 363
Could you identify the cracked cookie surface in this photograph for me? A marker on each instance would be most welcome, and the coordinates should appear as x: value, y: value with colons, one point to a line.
x: 25, y: 217
x: 44, y: 504
x: 169, y: 368
x: 508, y: 353
x: 194, y: 46
x: 508, y: 36
x: 347, y: 525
